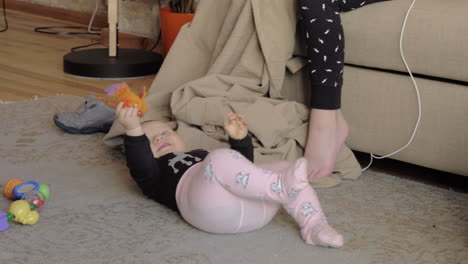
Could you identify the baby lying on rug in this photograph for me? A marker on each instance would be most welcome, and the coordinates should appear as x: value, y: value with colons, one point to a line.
x: 221, y: 191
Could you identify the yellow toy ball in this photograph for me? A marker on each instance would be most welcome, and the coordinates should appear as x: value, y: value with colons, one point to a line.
x: 23, y: 213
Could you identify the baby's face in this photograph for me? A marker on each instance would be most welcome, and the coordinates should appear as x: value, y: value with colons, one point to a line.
x: 163, y: 139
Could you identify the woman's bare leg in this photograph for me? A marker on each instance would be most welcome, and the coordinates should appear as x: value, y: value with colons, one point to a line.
x: 327, y: 133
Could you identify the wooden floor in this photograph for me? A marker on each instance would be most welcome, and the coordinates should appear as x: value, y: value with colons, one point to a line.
x: 31, y: 63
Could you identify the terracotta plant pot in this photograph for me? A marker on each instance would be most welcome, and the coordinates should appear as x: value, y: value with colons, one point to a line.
x: 171, y: 24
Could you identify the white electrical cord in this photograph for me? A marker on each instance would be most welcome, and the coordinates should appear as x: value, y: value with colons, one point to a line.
x: 417, y: 93
x: 92, y: 18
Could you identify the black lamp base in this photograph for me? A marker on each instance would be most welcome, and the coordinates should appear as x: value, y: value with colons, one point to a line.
x: 96, y: 63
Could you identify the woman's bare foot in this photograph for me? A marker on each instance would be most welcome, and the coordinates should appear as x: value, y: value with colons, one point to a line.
x: 328, y: 131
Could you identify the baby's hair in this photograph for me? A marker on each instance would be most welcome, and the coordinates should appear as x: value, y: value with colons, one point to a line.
x: 171, y: 124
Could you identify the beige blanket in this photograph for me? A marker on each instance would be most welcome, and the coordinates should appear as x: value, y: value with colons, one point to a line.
x: 238, y: 55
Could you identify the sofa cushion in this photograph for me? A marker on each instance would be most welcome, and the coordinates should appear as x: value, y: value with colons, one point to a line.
x: 435, y: 40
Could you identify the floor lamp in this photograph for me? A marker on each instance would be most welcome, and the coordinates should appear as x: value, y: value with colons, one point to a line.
x: 112, y: 62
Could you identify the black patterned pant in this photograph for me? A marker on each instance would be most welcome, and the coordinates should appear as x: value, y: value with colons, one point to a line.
x: 325, y: 47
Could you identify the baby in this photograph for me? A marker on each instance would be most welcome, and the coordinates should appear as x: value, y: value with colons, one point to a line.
x: 221, y: 191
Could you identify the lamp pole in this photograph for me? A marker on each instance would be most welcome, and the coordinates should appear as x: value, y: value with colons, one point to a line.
x: 112, y: 18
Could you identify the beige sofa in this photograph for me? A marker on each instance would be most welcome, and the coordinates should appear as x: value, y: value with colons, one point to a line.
x: 380, y: 101
x: 381, y: 106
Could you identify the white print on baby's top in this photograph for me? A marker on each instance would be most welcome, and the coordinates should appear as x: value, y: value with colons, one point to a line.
x: 180, y: 157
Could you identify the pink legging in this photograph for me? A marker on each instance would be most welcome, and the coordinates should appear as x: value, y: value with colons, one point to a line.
x: 228, y: 194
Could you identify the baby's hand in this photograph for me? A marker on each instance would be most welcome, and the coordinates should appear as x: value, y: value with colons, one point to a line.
x: 236, y: 126
x: 127, y: 116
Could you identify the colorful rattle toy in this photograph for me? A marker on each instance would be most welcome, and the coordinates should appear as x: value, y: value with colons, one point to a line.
x: 24, y: 209
x: 120, y: 92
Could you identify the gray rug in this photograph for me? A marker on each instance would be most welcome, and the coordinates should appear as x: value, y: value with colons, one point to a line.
x: 97, y: 214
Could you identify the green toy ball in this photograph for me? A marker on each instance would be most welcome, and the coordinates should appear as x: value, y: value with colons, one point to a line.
x: 45, y: 190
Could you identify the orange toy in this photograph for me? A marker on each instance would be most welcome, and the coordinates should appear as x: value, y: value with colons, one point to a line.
x: 122, y: 93
x: 8, y: 188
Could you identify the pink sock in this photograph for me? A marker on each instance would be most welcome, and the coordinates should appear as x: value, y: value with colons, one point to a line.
x: 307, y: 212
